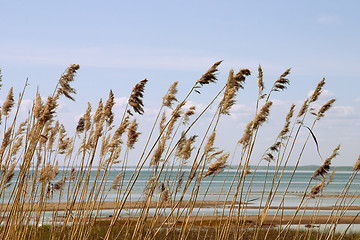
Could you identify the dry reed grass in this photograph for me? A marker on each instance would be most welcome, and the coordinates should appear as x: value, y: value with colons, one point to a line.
x: 171, y: 197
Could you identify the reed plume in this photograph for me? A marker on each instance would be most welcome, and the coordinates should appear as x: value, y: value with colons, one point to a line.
x: 117, y: 181
x: 169, y: 98
x: 260, y: 81
x: 99, y: 112
x: 282, y: 82
x: 109, y: 115
x: 38, y: 106
x: 46, y: 173
x: 87, y: 117
x: 187, y: 114
x: 262, y: 115
x: 133, y: 135
x: 9, y: 103
x: 80, y: 126
x: 317, y: 188
x: 245, y: 140
x: 64, y: 81
x: 116, y: 139
x: 356, y: 166
x: 325, y: 167
x: 185, y: 152
x: 234, y: 83
x: 324, y: 109
x: 135, y: 99
x: 49, y: 109
x: 54, y: 131
x: 210, y: 75
x: 330, y: 179
x: 285, y: 129
x: 210, y: 143
x: 317, y: 91
x: 218, y: 166
x: 303, y: 108
x: 8, y: 175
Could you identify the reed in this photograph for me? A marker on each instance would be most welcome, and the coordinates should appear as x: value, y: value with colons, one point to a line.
x: 179, y: 162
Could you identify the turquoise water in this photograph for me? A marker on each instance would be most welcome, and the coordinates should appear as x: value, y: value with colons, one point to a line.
x: 218, y: 188
x: 256, y: 189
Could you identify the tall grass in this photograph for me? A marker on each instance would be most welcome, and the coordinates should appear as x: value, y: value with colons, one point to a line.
x: 171, y: 206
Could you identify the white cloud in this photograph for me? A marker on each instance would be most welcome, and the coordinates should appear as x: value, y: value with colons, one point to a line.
x: 343, y: 112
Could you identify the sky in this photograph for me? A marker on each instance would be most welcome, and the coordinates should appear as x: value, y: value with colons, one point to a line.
x: 119, y: 43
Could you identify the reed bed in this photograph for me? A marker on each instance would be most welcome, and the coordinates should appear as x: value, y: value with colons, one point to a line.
x: 179, y: 162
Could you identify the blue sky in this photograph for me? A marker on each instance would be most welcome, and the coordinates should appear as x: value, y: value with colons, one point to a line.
x: 118, y: 43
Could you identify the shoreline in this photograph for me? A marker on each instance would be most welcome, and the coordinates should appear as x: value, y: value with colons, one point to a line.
x: 62, y: 206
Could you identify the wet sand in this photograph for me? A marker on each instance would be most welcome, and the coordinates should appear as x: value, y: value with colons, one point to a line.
x: 209, y: 220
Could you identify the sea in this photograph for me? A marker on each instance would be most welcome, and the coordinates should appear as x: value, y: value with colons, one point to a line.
x: 255, y: 190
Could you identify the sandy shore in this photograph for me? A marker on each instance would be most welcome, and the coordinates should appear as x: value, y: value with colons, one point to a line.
x: 139, y: 204
x: 209, y: 220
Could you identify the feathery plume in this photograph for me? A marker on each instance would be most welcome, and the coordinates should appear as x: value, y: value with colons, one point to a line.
x: 325, y: 108
x: 209, y: 145
x: 187, y: 114
x: 53, y: 134
x: 356, y: 166
x: 116, y: 140
x: 109, y: 115
x: 325, y: 167
x: 46, y: 173
x: 285, y: 129
x: 162, y: 122
x: 80, y: 126
x: 65, y: 80
x: 21, y: 128
x: 234, y: 83
x: 247, y: 134
x: 17, y: 146
x: 99, y: 112
x: 187, y: 148
x: 117, y: 181
x: 218, y: 166
x: 87, y: 117
x: 155, y: 159
x: 317, y: 91
x: 262, y: 115
x: 175, y: 115
x: 105, y: 145
x: 282, y: 82
x: 180, y: 181
x: 210, y: 75
x: 5, y: 142
x: 72, y: 174
x: 55, y: 170
x: 9, y: 103
x: 303, y: 108
x: 49, y: 109
x: 135, y: 99
x: 38, y: 106
x: 169, y: 98
x: 331, y: 176
x: 260, y: 80
x: 9, y: 174
x: 133, y: 135
x: 317, y: 188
